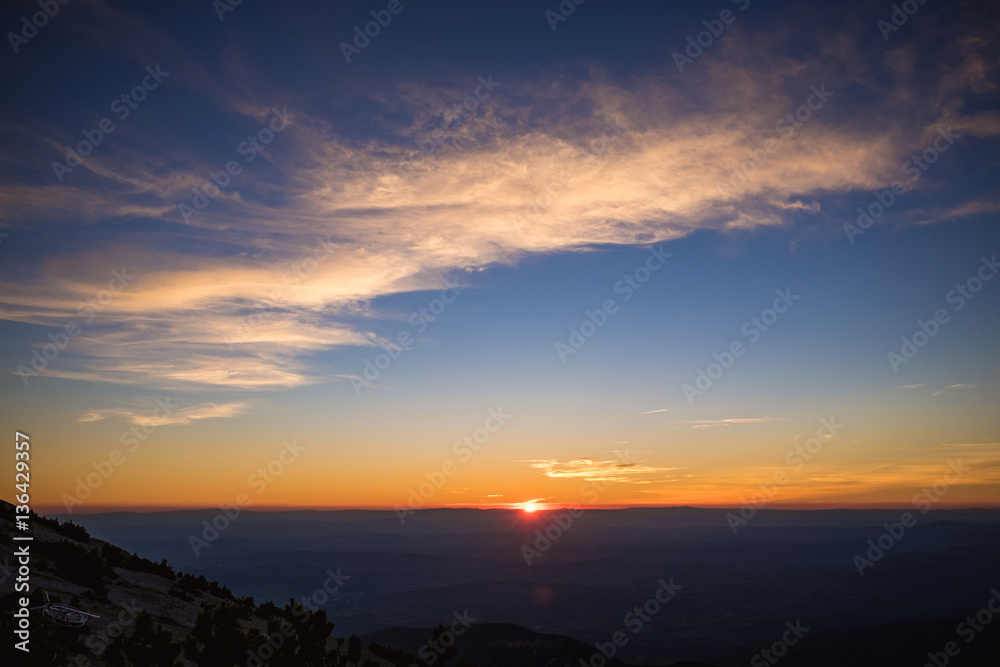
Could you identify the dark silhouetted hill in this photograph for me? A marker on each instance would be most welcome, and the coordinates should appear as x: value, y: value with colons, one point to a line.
x: 503, y: 645
x: 738, y: 590
x: 146, y: 614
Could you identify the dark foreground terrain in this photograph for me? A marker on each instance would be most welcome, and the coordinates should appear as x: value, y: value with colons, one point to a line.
x: 734, y: 594
x: 805, y: 586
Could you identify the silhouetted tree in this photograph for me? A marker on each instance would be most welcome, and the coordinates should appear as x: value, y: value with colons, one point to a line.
x: 354, y: 649
x: 150, y: 646
x: 190, y: 648
x: 313, y: 630
x: 202, y: 630
x: 74, y: 532
x: 450, y: 651
x: 113, y: 556
x: 220, y: 637
x: 78, y: 564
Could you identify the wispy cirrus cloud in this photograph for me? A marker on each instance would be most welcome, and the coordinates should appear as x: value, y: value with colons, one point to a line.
x: 461, y: 209
x: 183, y: 415
x: 953, y: 387
x: 597, y: 471
x: 716, y: 423
x: 985, y: 446
x: 965, y: 210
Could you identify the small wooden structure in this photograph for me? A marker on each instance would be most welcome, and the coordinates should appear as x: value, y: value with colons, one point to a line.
x: 63, y: 614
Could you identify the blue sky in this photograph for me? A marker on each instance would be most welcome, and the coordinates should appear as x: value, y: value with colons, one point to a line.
x: 580, y: 149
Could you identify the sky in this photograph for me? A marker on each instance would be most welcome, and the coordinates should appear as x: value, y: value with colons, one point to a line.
x: 410, y: 254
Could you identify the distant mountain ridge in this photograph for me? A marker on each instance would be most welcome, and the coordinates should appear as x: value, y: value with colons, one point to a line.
x: 505, y: 645
x: 148, y: 615
x: 739, y: 590
x: 145, y: 614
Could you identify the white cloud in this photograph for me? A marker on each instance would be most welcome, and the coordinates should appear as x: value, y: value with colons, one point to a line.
x: 466, y: 207
x: 715, y: 423
x: 621, y: 470
x: 965, y: 210
x: 954, y: 386
x: 183, y: 415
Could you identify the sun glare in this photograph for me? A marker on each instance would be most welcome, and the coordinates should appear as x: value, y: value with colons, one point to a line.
x: 530, y: 507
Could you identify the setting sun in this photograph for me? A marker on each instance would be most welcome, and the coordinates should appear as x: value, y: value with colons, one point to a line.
x: 462, y: 274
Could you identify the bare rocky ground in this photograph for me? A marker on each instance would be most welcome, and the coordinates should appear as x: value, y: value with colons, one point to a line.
x: 124, y: 593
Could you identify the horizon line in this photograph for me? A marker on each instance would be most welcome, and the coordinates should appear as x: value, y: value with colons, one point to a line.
x: 511, y: 507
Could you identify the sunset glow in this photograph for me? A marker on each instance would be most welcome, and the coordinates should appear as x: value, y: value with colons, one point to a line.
x: 466, y: 334
x: 454, y: 273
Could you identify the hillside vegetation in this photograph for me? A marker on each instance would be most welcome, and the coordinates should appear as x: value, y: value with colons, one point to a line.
x: 149, y: 615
